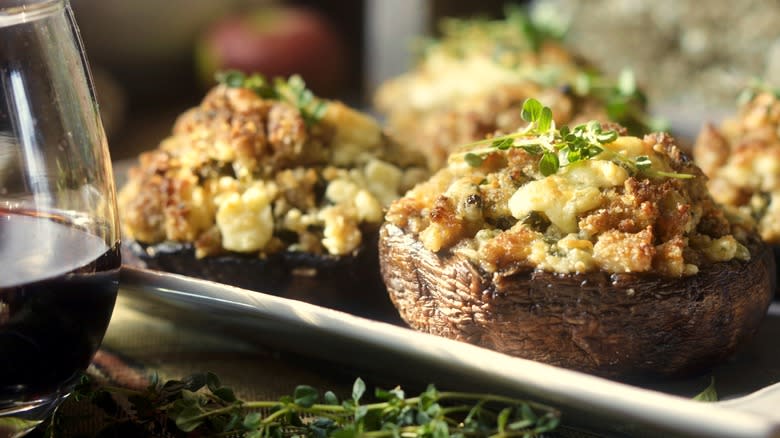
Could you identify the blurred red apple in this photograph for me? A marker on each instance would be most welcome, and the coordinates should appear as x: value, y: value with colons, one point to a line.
x: 276, y: 41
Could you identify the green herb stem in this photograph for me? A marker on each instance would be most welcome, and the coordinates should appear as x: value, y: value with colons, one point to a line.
x: 271, y: 418
x: 199, y: 404
x: 660, y: 173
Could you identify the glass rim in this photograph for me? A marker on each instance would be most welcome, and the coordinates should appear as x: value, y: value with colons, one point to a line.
x: 24, y: 11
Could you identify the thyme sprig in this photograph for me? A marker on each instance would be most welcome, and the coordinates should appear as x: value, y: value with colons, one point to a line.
x: 562, y: 147
x: 200, y: 406
x: 292, y: 90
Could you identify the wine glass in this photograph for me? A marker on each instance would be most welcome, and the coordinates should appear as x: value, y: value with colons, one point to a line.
x: 59, y: 240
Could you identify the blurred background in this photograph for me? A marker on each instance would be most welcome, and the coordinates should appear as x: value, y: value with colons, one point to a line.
x: 154, y: 59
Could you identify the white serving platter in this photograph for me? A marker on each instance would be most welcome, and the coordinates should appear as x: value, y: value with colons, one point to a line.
x: 748, y: 384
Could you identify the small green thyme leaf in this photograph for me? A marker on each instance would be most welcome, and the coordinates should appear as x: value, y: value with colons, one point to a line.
x: 549, y: 164
x: 532, y: 110
x: 503, y: 143
x: 330, y: 398
x: 212, y: 381
x: 358, y: 388
x: 252, y: 420
x: 643, y: 162
x: 231, y: 78
x: 189, y: 419
x: 545, y: 120
x: 607, y: 137
x: 533, y: 149
x: 710, y: 394
x: 473, y: 160
x: 305, y: 396
x: 319, y: 110
x: 574, y: 155
x: 225, y: 394
x: 502, y: 419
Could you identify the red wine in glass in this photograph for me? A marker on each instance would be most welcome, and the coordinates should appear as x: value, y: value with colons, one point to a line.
x: 57, y: 292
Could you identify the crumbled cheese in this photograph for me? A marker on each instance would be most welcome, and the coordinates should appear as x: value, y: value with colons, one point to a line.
x: 341, y: 190
x: 617, y: 251
x: 466, y: 191
x: 564, y: 256
x: 201, y: 209
x: 349, y: 193
x: 223, y: 151
x: 368, y: 207
x: 383, y: 180
x: 356, y: 135
x: 630, y: 147
x: 341, y: 234
x: 245, y: 221
x: 566, y: 195
x: 725, y: 248
x: 434, y: 236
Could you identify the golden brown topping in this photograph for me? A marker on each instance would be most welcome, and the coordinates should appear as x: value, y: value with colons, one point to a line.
x: 742, y: 159
x: 249, y: 174
x: 634, y: 205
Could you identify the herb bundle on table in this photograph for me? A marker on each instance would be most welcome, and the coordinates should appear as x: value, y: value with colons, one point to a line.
x: 200, y: 405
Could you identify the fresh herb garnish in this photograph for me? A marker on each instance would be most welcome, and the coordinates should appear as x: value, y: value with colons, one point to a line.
x: 562, y: 147
x: 200, y: 406
x: 293, y: 91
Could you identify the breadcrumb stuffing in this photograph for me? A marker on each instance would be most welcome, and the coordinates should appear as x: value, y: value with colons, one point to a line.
x: 742, y: 159
x: 506, y: 216
x: 245, y: 174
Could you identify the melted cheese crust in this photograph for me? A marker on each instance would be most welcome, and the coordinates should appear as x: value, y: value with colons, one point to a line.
x: 592, y: 215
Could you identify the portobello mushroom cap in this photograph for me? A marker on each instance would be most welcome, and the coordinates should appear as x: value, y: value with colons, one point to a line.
x: 349, y: 283
x: 615, y: 325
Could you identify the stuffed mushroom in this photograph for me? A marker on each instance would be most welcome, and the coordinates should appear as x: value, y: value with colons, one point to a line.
x: 583, y: 248
x: 267, y: 187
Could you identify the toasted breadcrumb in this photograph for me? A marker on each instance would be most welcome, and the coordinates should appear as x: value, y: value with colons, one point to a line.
x: 595, y: 215
x: 245, y: 174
